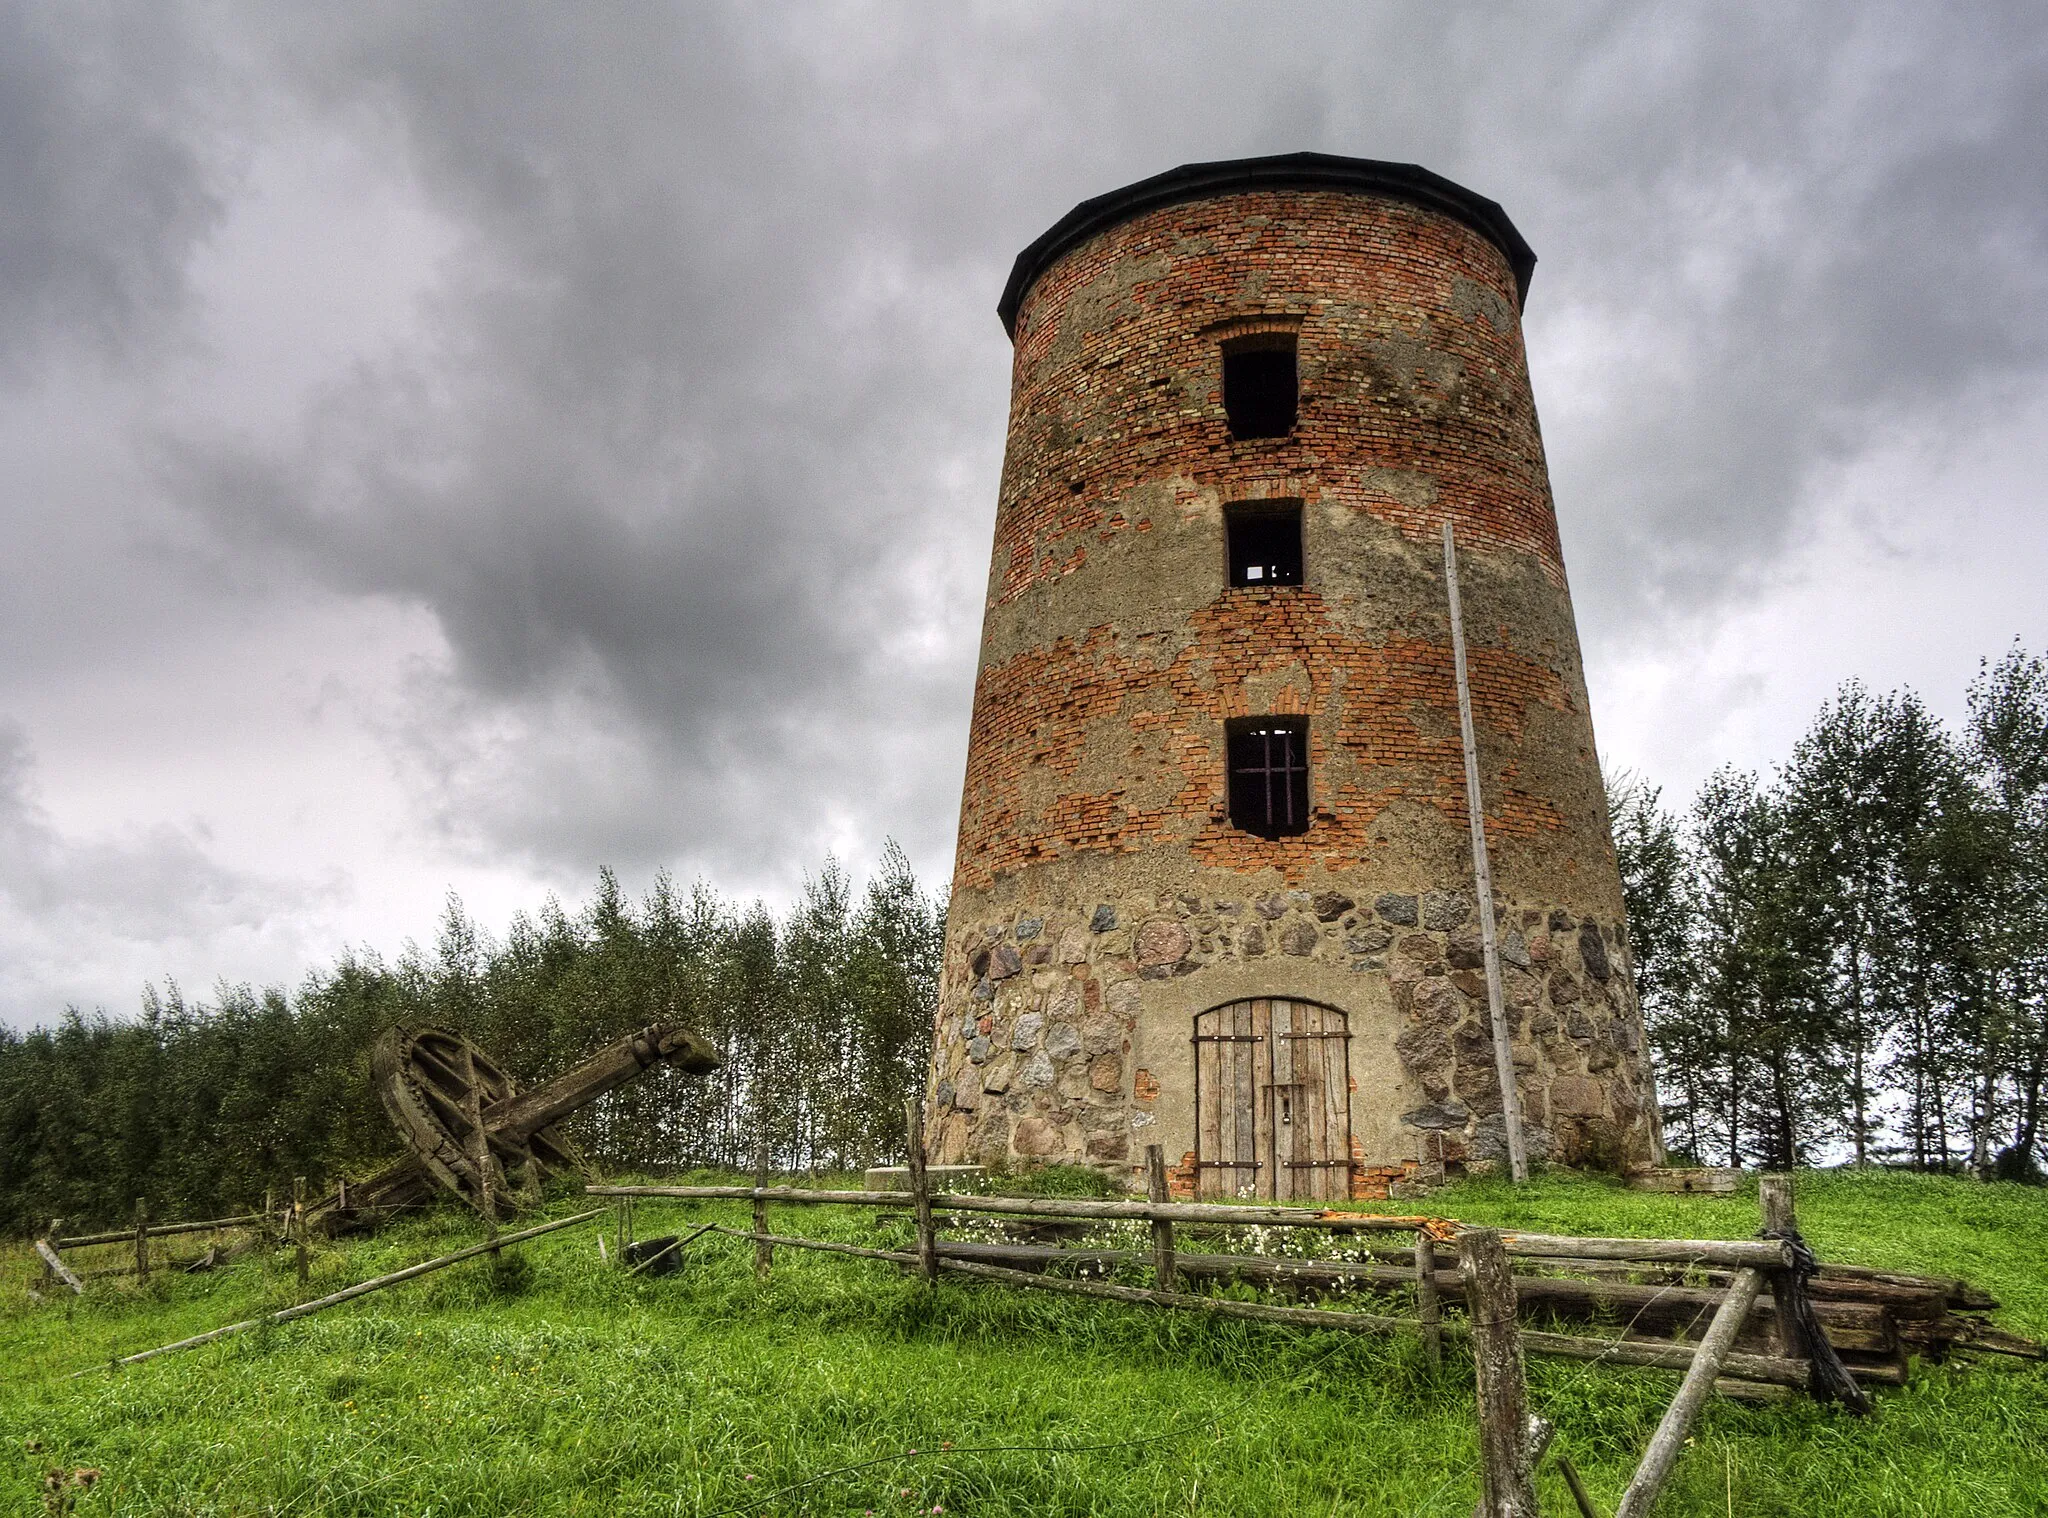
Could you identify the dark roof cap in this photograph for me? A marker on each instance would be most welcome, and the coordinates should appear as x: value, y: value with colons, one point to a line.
x: 1308, y: 171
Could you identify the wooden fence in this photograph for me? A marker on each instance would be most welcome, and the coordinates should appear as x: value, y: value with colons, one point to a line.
x: 136, y: 1243
x: 1749, y: 1301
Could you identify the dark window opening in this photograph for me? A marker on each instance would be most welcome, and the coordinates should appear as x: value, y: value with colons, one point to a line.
x: 1260, y: 392
x: 1269, y: 775
x: 1265, y: 543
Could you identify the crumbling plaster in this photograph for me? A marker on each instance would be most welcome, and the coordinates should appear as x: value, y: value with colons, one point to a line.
x: 1113, y: 653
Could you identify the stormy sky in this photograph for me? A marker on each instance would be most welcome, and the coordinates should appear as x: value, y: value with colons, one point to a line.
x: 465, y: 446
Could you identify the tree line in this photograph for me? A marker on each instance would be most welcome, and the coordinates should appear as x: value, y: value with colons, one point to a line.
x: 1848, y: 958
x: 201, y: 1106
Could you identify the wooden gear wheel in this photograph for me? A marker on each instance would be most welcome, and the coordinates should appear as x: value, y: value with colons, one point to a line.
x: 437, y: 1085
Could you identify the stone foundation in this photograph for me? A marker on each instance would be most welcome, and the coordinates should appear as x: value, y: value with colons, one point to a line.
x: 1046, y: 1017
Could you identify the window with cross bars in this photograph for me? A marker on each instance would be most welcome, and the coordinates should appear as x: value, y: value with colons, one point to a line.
x: 1268, y: 758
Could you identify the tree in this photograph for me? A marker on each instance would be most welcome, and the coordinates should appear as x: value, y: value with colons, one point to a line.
x: 1655, y: 880
x: 1835, y: 805
x: 2008, y: 753
x: 1755, y: 990
x: 199, y: 1106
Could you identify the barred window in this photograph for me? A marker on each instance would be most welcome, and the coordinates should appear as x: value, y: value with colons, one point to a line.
x: 1268, y: 761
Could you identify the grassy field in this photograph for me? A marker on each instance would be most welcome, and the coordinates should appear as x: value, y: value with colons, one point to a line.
x: 837, y: 1386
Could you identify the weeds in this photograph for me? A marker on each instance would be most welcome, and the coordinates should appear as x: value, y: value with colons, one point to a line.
x: 585, y: 1392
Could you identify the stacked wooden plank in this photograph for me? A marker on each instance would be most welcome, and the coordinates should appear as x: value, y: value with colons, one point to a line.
x: 1875, y: 1320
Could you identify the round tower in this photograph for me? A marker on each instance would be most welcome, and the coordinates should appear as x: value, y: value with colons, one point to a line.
x: 1214, y: 880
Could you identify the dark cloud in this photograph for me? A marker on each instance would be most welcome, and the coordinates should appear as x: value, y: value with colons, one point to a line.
x: 688, y: 451
x: 108, y: 178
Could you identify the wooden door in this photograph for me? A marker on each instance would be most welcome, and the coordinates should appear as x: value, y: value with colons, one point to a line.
x: 1273, y: 1101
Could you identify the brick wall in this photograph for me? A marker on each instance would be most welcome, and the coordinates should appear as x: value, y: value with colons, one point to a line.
x: 1094, y: 810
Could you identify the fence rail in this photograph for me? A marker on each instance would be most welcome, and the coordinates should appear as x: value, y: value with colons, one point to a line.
x: 1797, y: 1353
x: 158, y: 1230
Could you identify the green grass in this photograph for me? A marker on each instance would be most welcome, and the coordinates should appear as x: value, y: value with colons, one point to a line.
x: 577, y: 1391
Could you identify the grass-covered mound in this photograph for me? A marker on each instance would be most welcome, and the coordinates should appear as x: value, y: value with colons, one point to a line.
x: 564, y: 1388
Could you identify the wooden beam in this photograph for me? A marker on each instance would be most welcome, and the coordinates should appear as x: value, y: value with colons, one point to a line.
x: 764, y: 1254
x: 1570, y: 1472
x: 1799, y: 1329
x: 350, y: 1293
x: 1537, y: 1434
x: 1426, y: 1310
x: 1669, y: 1439
x: 54, y: 1263
x: 921, y: 1192
x: 1613, y: 1351
x: 1164, y: 1275
x: 158, y: 1230
x: 1222, y: 1307
x: 1774, y: 1369
x: 1755, y: 1254
x: 1774, y: 1196
x: 1050, y: 1207
x: 1507, y: 1475
x: 1482, y: 881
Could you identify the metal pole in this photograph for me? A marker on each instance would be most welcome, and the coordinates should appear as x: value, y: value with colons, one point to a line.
x: 1482, y: 876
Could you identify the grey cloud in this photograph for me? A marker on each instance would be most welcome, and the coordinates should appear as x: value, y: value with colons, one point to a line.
x: 1815, y: 228
x: 728, y: 311
x: 107, y: 181
x: 692, y: 458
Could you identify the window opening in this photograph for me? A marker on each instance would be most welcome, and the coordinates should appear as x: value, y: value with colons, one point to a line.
x: 1265, y: 543
x: 1261, y: 392
x: 1268, y: 761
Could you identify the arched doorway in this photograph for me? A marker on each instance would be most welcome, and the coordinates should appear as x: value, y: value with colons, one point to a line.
x: 1273, y: 1101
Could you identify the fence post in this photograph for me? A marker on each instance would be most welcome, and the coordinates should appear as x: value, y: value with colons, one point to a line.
x: 1163, y: 1272
x: 764, y: 1252
x: 141, y: 1241
x: 1507, y: 1472
x: 299, y: 1228
x: 1799, y: 1333
x: 1774, y: 1196
x: 921, y: 1191
x: 1425, y: 1298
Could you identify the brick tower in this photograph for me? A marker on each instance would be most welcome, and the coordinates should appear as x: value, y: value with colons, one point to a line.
x: 1214, y: 884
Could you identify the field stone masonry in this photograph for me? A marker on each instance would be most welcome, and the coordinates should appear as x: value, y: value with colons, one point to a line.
x: 1104, y: 902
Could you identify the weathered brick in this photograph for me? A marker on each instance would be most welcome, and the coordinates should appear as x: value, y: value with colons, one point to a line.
x: 1094, y: 825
